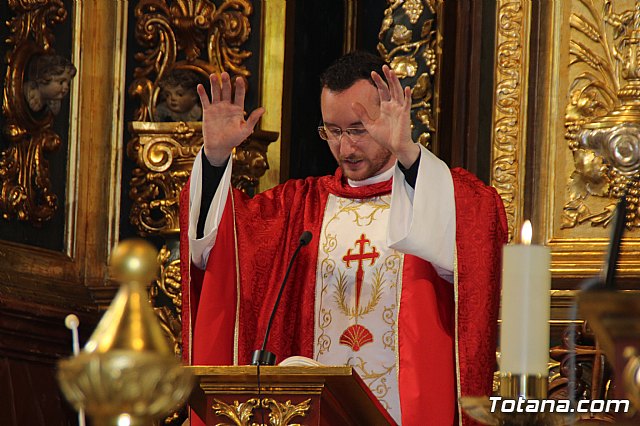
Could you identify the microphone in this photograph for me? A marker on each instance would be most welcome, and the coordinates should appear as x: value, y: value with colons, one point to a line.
x: 262, y: 356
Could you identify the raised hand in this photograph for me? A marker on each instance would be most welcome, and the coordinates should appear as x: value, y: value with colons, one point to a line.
x: 223, y: 124
x: 391, y: 128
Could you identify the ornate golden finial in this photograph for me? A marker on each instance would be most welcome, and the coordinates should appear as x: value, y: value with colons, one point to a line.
x: 127, y: 369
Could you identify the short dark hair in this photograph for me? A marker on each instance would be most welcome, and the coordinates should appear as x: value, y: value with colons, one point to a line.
x: 348, y: 69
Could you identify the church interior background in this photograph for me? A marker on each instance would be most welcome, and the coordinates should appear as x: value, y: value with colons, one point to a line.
x: 539, y: 99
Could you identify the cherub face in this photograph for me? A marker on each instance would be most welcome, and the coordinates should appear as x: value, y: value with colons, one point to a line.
x: 179, y: 99
x: 57, y: 88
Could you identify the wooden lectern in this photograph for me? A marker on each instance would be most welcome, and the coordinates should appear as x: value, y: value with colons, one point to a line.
x: 288, y: 395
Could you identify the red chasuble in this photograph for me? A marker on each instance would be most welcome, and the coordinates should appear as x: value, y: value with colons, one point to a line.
x: 446, y: 332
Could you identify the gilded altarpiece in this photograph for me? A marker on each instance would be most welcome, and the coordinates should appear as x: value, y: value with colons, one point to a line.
x: 566, y: 139
x: 564, y: 145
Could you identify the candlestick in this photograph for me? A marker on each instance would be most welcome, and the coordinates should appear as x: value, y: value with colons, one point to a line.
x: 524, y: 333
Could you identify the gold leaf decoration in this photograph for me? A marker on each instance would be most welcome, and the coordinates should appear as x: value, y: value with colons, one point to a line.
x: 510, y: 91
x: 241, y: 413
x: 413, y: 9
x: 602, y: 117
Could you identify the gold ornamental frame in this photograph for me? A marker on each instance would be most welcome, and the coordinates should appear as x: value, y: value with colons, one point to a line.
x: 562, y: 70
x: 74, y: 277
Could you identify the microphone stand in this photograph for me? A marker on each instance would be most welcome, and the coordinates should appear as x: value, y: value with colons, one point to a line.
x: 262, y: 356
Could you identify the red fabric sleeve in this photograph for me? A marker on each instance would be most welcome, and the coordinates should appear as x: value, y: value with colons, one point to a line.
x: 481, y: 229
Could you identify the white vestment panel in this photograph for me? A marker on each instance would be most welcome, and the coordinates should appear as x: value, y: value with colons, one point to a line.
x: 357, y: 293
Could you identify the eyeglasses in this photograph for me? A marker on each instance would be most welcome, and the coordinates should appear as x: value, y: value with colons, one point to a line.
x: 334, y: 134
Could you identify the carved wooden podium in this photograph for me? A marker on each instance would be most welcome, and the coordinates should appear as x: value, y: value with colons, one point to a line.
x: 288, y: 395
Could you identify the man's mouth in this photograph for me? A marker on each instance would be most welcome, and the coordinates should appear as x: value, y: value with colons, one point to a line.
x: 351, y: 160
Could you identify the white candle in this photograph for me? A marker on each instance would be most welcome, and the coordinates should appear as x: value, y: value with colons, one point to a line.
x: 524, y: 333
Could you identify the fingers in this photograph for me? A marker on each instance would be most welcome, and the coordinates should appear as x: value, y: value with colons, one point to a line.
x: 407, y: 98
x: 362, y: 113
x: 383, y: 89
x: 202, y: 93
x: 395, y: 88
x: 226, y: 86
x: 215, y: 88
x: 240, y: 92
x: 253, y: 118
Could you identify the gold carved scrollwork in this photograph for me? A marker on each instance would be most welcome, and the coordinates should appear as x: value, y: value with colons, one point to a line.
x: 602, y: 117
x: 409, y: 42
x: 196, y: 28
x: 510, y: 107
x: 26, y: 192
x: 169, y: 286
x: 164, y: 153
x: 241, y: 414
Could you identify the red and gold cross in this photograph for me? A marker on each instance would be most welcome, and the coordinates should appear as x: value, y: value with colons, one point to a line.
x: 360, y: 257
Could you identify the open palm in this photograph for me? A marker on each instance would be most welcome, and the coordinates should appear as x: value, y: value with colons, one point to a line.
x: 223, y: 121
x: 392, y: 127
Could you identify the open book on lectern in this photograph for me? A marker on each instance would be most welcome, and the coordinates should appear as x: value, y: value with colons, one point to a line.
x: 300, y: 361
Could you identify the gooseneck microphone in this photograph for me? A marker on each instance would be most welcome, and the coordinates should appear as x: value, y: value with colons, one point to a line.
x: 262, y: 356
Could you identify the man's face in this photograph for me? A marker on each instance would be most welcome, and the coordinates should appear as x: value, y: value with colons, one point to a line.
x: 362, y: 158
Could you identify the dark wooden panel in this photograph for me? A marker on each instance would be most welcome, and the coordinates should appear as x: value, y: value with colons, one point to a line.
x: 29, y: 395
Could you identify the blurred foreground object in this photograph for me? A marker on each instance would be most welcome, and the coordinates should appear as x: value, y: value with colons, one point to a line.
x: 127, y: 373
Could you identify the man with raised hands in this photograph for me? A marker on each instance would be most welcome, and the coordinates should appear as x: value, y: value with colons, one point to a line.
x: 402, y: 277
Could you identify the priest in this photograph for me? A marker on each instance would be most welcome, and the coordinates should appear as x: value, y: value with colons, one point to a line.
x: 402, y: 277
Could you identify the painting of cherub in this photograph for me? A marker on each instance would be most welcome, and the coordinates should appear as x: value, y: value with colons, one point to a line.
x: 48, y: 82
x: 178, y: 98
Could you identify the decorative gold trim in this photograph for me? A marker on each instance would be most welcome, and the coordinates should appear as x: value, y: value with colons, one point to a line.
x: 513, y: 19
x: 241, y: 413
x: 456, y: 346
x: 236, y: 325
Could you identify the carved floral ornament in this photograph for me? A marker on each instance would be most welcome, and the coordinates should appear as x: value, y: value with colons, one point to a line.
x: 408, y: 42
x: 242, y: 414
x: 602, y: 117
x: 36, y: 81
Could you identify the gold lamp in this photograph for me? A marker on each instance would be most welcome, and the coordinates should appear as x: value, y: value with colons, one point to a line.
x: 127, y: 374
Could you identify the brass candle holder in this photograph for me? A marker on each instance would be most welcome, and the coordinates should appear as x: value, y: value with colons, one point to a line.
x: 127, y: 374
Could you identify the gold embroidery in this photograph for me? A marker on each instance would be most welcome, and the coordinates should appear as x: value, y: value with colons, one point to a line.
x: 389, y: 337
x: 353, y: 206
x: 375, y: 380
x: 345, y: 221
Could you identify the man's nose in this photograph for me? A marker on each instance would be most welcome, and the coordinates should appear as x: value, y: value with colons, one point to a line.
x: 347, y: 145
